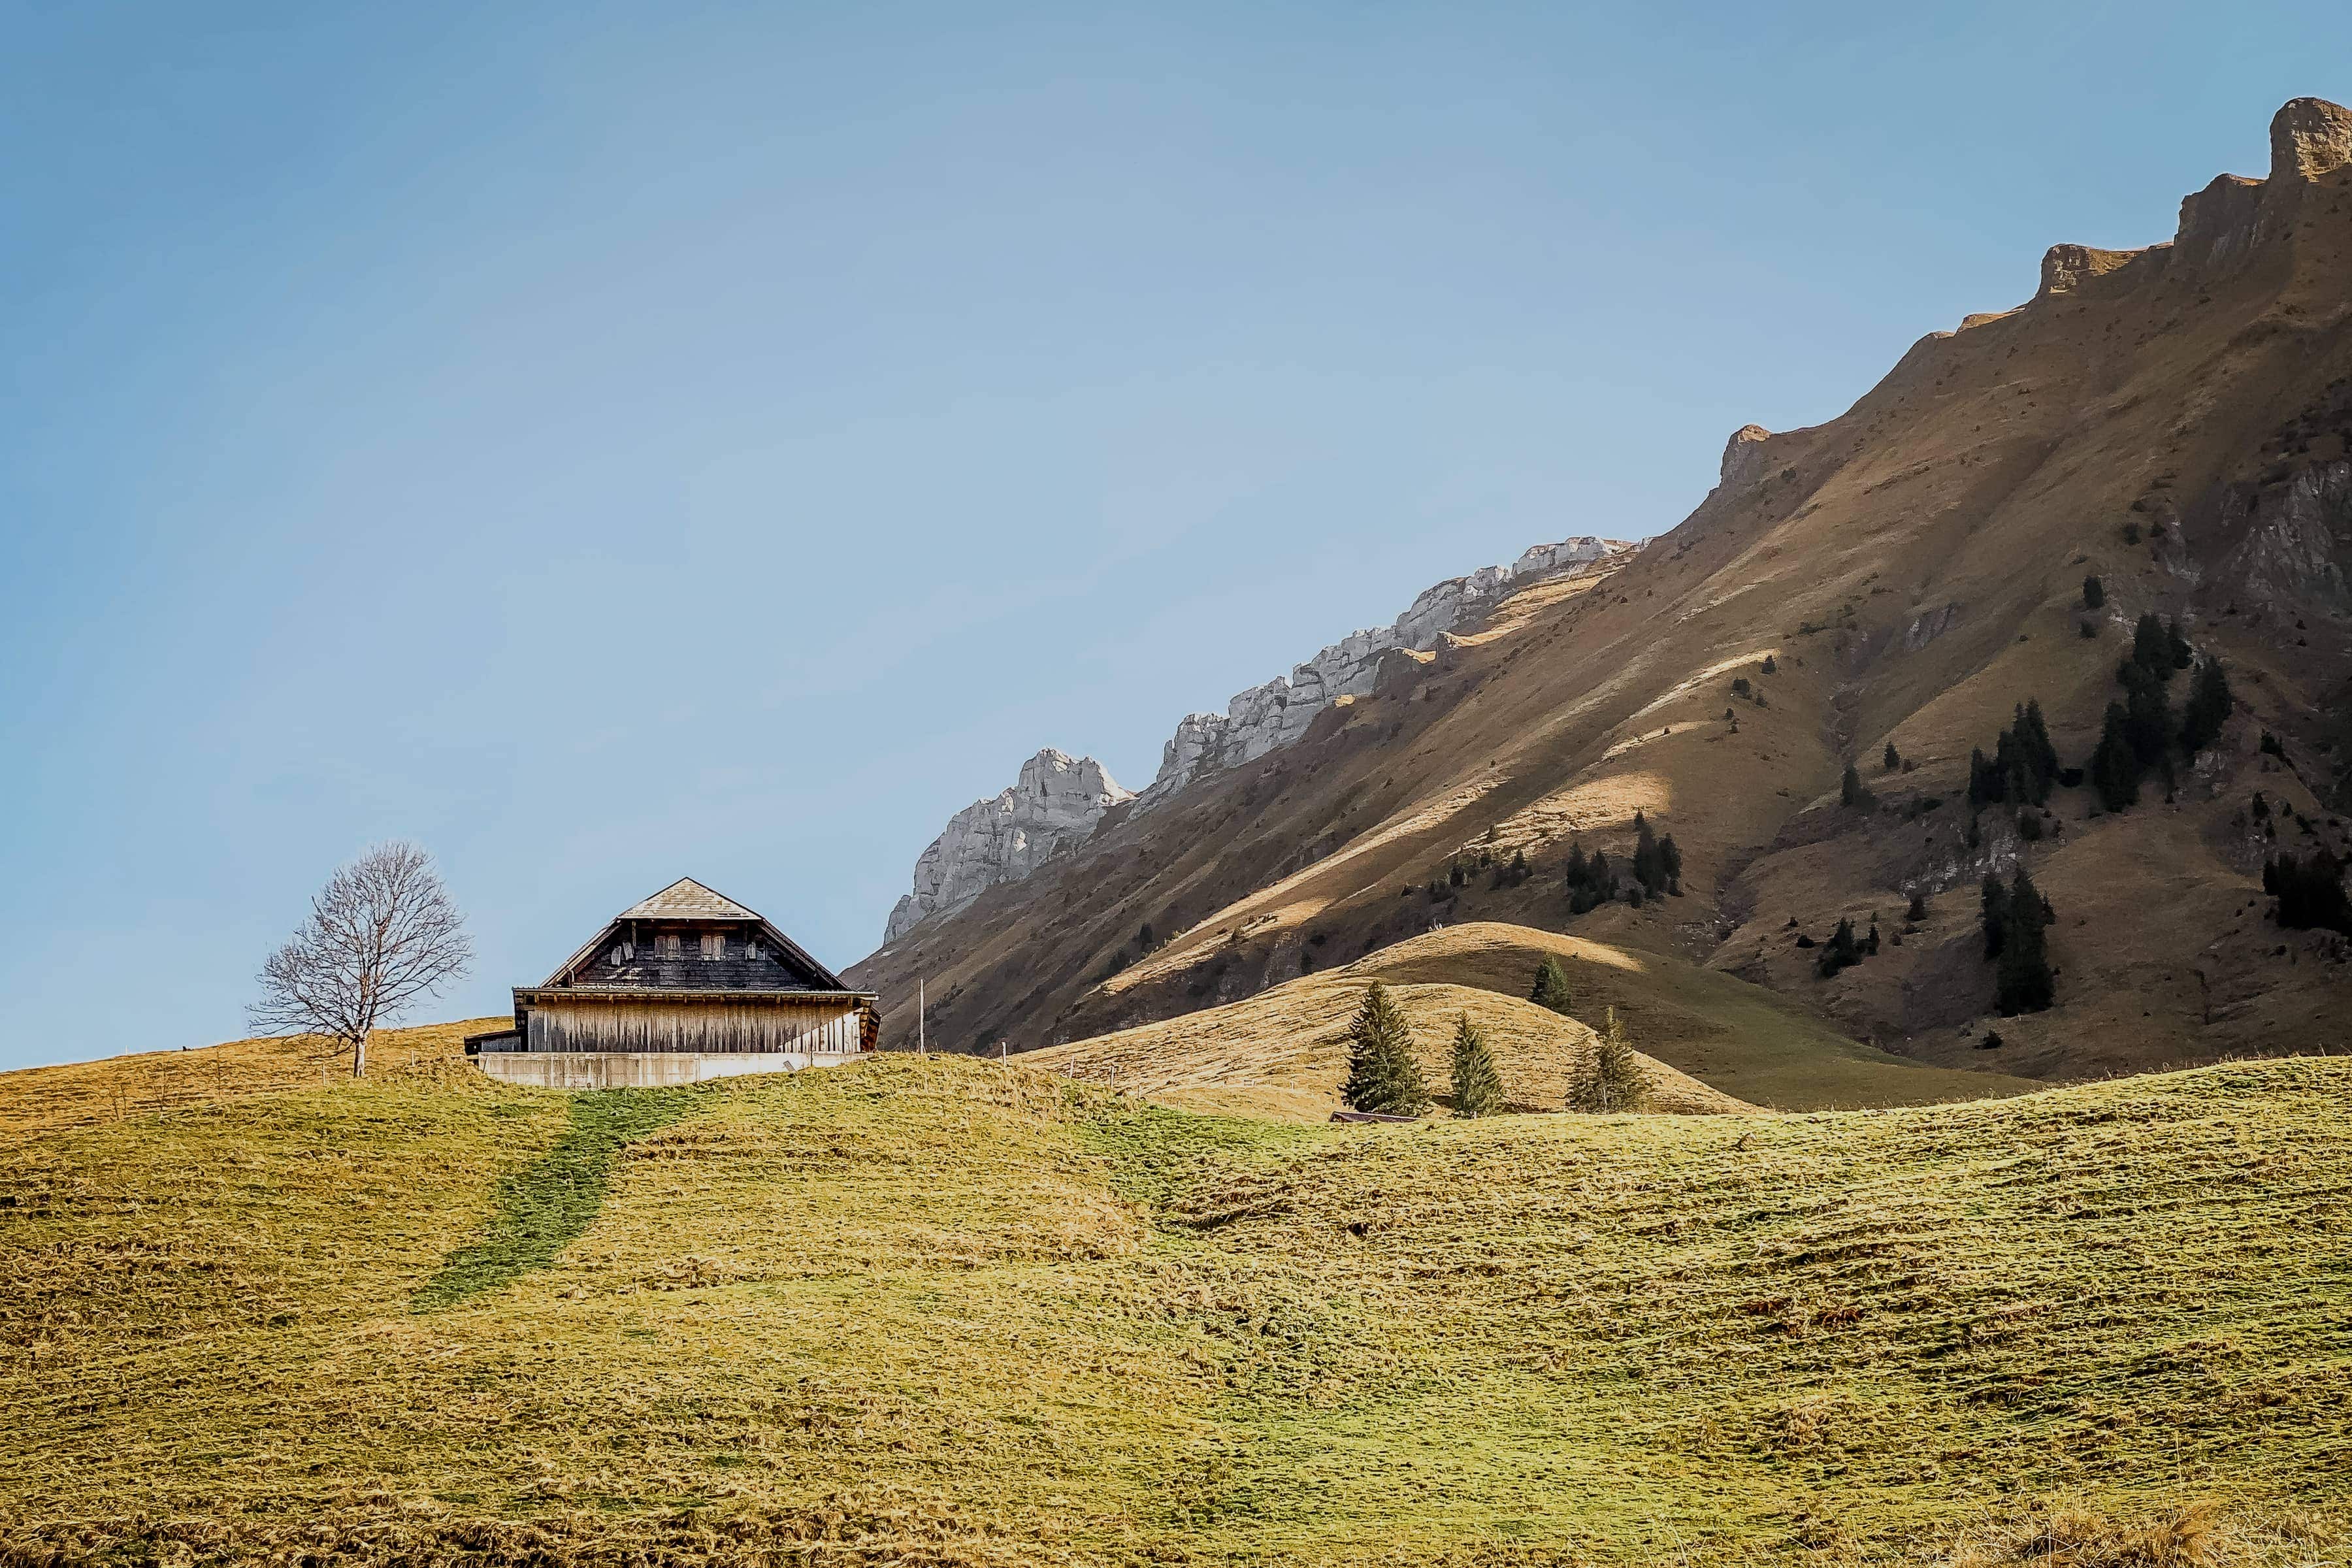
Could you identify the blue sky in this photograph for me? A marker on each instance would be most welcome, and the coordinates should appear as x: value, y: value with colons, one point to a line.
x: 611, y: 443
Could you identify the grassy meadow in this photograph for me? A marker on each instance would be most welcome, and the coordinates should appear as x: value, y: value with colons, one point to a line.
x: 937, y: 1310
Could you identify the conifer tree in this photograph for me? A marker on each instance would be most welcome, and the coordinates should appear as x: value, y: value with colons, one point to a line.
x: 2147, y: 716
x: 1992, y: 914
x: 1917, y: 911
x: 1670, y: 857
x: 1840, y: 951
x: 2093, y: 594
x: 1771, y: 666
x: 2151, y: 649
x: 2023, y: 982
x: 2183, y: 655
x: 1613, y: 1080
x: 1649, y: 861
x: 2115, y: 766
x: 1891, y: 761
x: 2033, y: 735
x: 2207, y: 708
x: 1383, y: 1076
x: 1850, y: 788
x: 1552, y: 986
x: 1478, y: 1086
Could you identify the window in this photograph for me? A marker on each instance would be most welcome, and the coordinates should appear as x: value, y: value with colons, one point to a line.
x: 667, y: 945
x: 752, y: 949
x: 714, y: 945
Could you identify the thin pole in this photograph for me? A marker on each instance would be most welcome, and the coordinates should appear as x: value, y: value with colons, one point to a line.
x: 921, y: 1014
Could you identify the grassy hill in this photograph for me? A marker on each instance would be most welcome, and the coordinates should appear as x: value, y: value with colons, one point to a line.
x: 1714, y: 1043
x: 942, y: 1311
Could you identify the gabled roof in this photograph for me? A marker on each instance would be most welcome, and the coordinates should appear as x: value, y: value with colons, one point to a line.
x: 687, y: 899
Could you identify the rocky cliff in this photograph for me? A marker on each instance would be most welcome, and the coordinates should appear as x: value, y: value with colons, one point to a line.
x: 1055, y: 802
x: 1059, y: 799
x: 1277, y: 713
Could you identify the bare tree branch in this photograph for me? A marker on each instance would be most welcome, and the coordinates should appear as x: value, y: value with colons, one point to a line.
x: 382, y: 935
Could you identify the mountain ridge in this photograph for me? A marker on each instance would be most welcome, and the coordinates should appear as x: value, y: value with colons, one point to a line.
x: 2173, y: 422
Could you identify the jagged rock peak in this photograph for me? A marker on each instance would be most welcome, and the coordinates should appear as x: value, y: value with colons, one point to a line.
x: 1278, y: 713
x: 2310, y: 137
x: 2221, y: 225
x: 1056, y: 802
x: 2066, y: 267
x: 1743, y: 457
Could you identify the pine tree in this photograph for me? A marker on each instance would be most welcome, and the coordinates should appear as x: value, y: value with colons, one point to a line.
x: 1917, y: 911
x: 2207, y: 708
x: 2093, y: 594
x: 2034, y: 734
x: 2151, y: 649
x: 2147, y: 716
x: 2183, y: 655
x: 1992, y: 914
x: 1613, y: 1079
x: 1649, y: 866
x: 1552, y: 986
x: 1841, y: 952
x: 1771, y: 666
x: 1850, y: 788
x: 1891, y: 761
x: 1984, y: 784
x: 2023, y: 982
x: 1671, y: 856
x: 1478, y: 1086
x: 1383, y: 1076
x: 2115, y: 766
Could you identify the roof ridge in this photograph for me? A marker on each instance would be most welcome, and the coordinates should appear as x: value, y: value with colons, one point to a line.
x: 687, y: 897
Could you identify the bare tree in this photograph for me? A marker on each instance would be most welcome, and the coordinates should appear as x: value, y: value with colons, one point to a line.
x: 381, y: 934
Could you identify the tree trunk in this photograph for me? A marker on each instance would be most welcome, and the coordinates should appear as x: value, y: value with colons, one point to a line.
x: 358, y: 1055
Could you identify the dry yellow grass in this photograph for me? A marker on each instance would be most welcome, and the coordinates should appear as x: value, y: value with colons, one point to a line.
x: 1740, y: 1038
x: 1285, y: 1052
x: 86, y: 1094
x: 944, y: 1312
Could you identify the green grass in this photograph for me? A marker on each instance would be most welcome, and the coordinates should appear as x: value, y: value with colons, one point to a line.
x: 945, y: 1312
x: 545, y: 1206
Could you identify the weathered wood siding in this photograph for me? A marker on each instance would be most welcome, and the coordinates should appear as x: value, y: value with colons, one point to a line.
x: 709, y: 1027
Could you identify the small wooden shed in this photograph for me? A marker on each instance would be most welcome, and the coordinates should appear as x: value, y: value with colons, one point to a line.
x: 684, y: 986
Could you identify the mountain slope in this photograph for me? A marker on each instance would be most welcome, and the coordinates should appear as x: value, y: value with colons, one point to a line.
x: 944, y: 1312
x: 2176, y: 422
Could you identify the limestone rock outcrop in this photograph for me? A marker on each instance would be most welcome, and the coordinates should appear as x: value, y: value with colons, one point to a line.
x: 1278, y: 713
x: 1059, y: 799
x: 1056, y: 802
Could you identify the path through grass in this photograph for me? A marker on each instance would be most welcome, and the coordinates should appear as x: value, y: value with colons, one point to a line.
x: 546, y: 1205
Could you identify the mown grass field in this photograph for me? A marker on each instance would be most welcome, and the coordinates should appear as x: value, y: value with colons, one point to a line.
x: 941, y: 1311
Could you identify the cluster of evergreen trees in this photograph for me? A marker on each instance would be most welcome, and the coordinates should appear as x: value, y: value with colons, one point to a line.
x: 2016, y: 918
x: 2309, y: 890
x: 2023, y: 765
x: 2138, y: 734
x: 1384, y: 1078
x: 1657, y: 862
x: 1843, y: 949
x: 1658, y: 871
x: 1592, y: 881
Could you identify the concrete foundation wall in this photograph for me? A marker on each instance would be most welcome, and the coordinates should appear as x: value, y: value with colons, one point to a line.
x: 642, y: 1069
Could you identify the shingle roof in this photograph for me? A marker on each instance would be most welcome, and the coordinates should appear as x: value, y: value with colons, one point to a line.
x: 686, y: 899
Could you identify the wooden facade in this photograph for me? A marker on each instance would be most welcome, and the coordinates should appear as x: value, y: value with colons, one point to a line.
x: 685, y: 974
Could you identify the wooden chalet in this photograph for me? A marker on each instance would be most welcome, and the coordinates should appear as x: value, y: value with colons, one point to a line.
x: 685, y: 985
